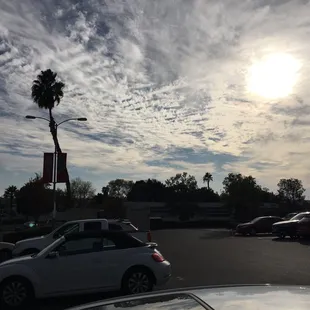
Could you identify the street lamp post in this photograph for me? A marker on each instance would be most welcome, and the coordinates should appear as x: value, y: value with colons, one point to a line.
x: 80, y: 119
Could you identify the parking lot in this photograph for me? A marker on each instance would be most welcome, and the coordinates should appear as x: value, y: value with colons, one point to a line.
x: 215, y: 257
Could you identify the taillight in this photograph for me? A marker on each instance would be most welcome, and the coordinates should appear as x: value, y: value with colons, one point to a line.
x: 158, y: 257
x: 149, y: 236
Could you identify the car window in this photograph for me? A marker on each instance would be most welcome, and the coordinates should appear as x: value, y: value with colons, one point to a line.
x: 114, y: 226
x: 108, y: 244
x: 80, y: 246
x: 66, y: 229
x: 91, y: 226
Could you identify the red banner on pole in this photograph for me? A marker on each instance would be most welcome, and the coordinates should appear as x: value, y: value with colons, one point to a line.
x: 48, y: 167
x: 62, y: 173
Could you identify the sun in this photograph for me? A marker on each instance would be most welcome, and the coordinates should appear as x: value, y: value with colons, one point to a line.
x: 274, y: 76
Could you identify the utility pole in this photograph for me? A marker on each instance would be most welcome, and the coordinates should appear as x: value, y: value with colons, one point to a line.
x: 55, y: 157
x: 55, y: 180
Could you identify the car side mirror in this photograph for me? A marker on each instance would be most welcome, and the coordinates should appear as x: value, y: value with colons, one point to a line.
x: 52, y: 255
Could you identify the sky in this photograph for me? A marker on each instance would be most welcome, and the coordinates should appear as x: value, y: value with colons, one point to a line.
x: 167, y: 86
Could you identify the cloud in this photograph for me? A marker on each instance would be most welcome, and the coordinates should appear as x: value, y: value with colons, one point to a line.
x: 155, y: 79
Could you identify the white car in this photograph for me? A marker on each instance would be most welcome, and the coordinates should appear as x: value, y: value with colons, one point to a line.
x: 37, y: 244
x: 84, y: 262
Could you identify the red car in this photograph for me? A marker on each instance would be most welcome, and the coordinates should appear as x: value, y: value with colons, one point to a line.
x: 303, y: 227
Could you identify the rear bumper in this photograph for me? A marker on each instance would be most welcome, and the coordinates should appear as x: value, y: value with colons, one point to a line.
x: 163, y: 274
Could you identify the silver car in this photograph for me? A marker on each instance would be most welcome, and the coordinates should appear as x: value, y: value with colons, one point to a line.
x: 228, y: 297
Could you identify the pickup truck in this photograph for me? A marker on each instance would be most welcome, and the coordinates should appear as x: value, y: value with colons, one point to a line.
x: 35, y: 245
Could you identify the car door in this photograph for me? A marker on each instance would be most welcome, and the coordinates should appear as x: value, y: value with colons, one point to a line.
x: 74, y: 269
x: 262, y: 225
x: 114, y: 262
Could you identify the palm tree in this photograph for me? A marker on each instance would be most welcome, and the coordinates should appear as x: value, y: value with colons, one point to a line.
x: 207, y: 178
x: 10, y: 193
x: 47, y: 91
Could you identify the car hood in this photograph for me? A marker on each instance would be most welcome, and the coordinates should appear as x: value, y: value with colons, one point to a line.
x: 16, y: 260
x: 244, y: 224
x: 6, y: 245
x: 235, y: 297
x: 286, y: 222
x: 29, y: 240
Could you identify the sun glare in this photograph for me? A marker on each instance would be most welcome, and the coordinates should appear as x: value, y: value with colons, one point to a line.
x: 274, y: 76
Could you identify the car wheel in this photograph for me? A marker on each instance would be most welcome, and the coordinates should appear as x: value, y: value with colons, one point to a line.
x: 5, y: 255
x: 29, y: 252
x: 16, y: 292
x: 253, y: 232
x: 138, y: 280
x: 282, y: 235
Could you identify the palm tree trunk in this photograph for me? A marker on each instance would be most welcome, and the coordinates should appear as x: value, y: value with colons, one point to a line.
x: 208, y: 184
x: 53, y: 130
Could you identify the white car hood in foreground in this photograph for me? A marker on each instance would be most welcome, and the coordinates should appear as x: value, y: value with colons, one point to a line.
x: 13, y: 261
x: 219, y: 298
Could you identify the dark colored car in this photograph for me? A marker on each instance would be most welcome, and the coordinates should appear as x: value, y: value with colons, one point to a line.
x: 303, y: 228
x: 289, y: 216
x: 289, y: 228
x: 261, y: 224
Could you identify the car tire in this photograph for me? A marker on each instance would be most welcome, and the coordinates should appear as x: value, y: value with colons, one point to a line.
x: 16, y: 293
x: 5, y: 254
x: 282, y: 235
x: 138, y: 280
x: 253, y: 232
x: 29, y: 252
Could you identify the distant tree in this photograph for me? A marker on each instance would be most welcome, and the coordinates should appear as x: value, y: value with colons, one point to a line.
x: 98, y: 198
x: 34, y: 198
x: 105, y: 191
x: 81, y: 191
x: 149, y: 190
x: 119, y: 188
x: 182, y: 182
x: 242, y: 194
x: 10, y: 194
x: 207, y: 178
x: 205, y: 194
x: 47, y: 92
x: 268, y: 196
x: 291, y: 191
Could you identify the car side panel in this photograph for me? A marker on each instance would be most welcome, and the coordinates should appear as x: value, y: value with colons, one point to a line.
x: 23, y: 271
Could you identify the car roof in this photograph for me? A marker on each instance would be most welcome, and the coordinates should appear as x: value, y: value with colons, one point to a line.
x: 100, y: 220
x: 97, y: 233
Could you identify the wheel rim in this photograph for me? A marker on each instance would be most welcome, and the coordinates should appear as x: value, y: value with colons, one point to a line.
x: 138, y: 283
x: 14, y: 294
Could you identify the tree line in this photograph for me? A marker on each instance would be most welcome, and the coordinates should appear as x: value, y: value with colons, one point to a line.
x: 242, y: 194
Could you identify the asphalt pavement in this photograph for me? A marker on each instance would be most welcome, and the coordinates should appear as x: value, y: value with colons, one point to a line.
x: 215, y: 257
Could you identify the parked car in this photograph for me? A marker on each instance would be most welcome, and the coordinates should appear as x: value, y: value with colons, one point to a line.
x: 254, y: 297
x: 261, y: 224
x: 289, y: 216
x: 84, y: 262
x: 36, y: 244
x: 289, y: 228
x: 303, y: 228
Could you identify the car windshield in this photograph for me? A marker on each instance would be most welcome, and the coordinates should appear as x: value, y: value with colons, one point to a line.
x: 50, y: 247
x: 256, y: 219
x: 298, y: 217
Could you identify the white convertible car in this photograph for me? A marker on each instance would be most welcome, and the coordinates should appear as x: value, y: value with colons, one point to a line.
x: 84, y: 262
